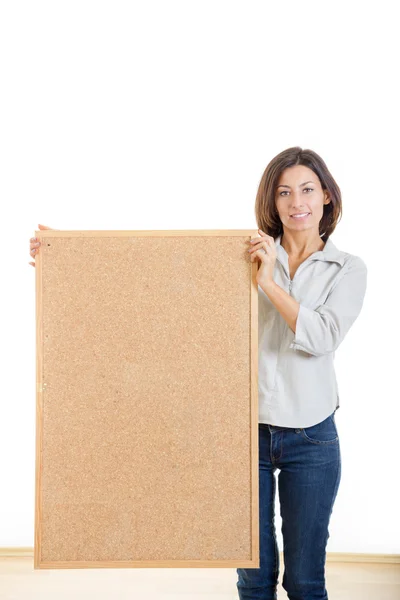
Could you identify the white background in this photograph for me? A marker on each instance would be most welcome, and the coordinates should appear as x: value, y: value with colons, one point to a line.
x: 163, y: 115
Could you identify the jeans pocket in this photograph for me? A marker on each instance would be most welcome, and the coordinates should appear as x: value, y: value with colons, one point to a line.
x: 322, y: 433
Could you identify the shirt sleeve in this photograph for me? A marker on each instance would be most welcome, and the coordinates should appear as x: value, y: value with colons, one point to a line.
x: 320, y: 331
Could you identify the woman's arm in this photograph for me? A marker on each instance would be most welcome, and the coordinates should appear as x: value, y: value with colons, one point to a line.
x: 320, y: 331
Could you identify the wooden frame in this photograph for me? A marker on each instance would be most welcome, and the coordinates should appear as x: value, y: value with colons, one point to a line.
x: 146, y: 400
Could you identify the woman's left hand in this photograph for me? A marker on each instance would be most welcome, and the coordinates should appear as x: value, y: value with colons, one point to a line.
x: 264, y: 249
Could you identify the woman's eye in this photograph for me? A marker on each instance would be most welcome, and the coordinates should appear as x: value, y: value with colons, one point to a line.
x: 286, y: 192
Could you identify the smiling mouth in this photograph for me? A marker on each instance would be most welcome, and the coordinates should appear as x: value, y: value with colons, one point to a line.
x: 300, y: 216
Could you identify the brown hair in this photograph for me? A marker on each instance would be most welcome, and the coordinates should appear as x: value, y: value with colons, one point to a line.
x: 267, y: 216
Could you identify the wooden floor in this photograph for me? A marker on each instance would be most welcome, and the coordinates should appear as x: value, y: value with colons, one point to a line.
x: 20, y: 581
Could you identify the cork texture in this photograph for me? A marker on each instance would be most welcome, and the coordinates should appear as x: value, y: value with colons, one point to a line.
x: 147, y: 407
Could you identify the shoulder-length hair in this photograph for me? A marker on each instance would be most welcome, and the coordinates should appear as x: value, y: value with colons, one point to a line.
x: 267, y: 216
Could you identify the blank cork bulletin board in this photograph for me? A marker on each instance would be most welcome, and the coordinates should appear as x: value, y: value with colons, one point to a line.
x: 147, y: 400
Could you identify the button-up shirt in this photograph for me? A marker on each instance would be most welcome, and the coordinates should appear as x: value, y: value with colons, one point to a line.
x: 297, y: 384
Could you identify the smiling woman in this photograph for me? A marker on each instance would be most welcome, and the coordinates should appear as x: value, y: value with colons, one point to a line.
x: 310, y: 294
x: 298, y: 181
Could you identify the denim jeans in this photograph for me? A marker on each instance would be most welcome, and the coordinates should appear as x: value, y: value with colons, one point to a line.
x: 309, y: 464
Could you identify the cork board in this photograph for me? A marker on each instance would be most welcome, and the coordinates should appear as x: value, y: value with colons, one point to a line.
x: 147, y: 400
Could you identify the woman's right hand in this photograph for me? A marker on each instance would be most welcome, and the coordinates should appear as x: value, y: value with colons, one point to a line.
x: 35, y: 245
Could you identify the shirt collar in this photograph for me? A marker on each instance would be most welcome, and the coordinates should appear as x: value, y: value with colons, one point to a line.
x: 329, y: 253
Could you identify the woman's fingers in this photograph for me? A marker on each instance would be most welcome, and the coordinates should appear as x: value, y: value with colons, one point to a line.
x: 257, y: 244
x: 34, y: 243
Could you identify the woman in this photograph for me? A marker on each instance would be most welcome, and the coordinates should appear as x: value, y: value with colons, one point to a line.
x: 310, y: 293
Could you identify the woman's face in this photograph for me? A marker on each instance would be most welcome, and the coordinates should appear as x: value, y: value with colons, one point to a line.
x: 299, y: 191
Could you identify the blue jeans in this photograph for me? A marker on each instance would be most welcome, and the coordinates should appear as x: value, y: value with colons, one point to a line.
x: 310, y: 469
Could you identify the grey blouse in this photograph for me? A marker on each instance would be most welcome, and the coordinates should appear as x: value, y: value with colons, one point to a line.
x: 297, y: 384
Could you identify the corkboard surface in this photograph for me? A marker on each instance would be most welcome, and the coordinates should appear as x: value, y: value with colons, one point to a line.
x: 147, y: 407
